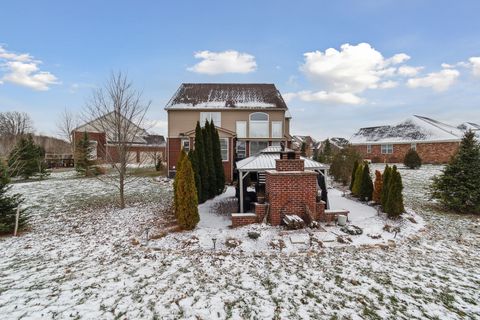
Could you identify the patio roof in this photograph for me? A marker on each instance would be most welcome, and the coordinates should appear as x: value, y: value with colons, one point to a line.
x: 265, y: 160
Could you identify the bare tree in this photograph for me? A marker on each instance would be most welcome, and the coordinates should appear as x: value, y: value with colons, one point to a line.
x: 14, y: 123
x: 118, y: 110
x: 65, y: 125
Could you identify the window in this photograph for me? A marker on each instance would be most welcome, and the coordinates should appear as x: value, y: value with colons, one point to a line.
x: 387, y: 148
x: 276, y: 144
x: 224, y: 148
x: 241, y: 129
x: 241, y: 149
x: 186, y: 145
x: 258, y: 125
x: 257, y: 146
x: 369, y: 148
x: 277, y: 131
x: 209, y: 116
x: 413, y: 146
x: 92, y: 150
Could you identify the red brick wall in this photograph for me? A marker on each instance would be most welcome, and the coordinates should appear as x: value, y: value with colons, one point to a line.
x: 434, y: 153
x: 243, y: 219
x: 290, y: 165
x: 289, y: 192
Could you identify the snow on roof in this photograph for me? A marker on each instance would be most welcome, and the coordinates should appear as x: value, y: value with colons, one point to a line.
x: 226, y: 95
x: 265, y: 160
x: 416, y: 128
x: 470, y: 126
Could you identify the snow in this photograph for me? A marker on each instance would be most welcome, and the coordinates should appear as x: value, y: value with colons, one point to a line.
x: 413, y: 129
x: 78, y: 261
x: 222, y: 105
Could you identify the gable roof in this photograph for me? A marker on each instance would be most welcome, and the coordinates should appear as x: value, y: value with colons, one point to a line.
x: 414, y: 129
x: 226, y: 95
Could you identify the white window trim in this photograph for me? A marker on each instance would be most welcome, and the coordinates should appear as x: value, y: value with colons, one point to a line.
x: 369, y: 148
x: 221, y: 150
x: 413, y: 146
x: 281, y: 129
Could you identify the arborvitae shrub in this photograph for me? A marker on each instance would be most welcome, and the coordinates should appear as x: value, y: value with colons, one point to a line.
x: 212, y: 176
x: 183, y: 155
x: 386, y: 180
x: 357, y: 184
x: 458, y: 186
x: 366, y: 187
x: 377, y: 187
x: 217, y: 154
x: 192, y: 155
x: 394, y: 205
x: 412, y: 160
x: 186, y: 208
x: 354, y: 171
x: 202, y: 163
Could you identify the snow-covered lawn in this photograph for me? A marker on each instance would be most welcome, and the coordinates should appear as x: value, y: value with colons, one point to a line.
x: 79, y: 261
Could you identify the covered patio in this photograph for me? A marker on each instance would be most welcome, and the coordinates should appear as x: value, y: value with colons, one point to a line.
x: 264, y: 161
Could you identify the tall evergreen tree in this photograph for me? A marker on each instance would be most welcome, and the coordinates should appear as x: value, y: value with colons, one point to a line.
x: 186, y: 209
x: 192, y: 155
x: 394, y: 204
x: 212, y: 186
x: 83, y: 150
x: 180, y: 162
x: 8, y: 205
x: 458, y: 186
x: 27, y: 159
x: 366, y: 187
x: 357, y: 185
x: 377, y: 187
x: 327, y: 151
x: 202, y: 163
x: 386, y: 185
x: 354, y: 171
x: 218, y: 162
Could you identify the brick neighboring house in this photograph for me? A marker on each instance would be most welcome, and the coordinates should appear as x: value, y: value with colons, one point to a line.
x: 434, y: 141
x: 310, y: 144
x: 144, y: 148
x: 248, y: 117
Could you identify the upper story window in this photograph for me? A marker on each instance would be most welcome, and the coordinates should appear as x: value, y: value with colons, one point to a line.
x: 258, y: 125
x: 369, y: 148
x: 209, y: 116
x: 277, y: 131
x: 387, y: 148
x: 241, y: 128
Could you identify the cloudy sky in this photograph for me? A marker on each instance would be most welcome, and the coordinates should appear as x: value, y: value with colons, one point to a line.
x: 340, y: 65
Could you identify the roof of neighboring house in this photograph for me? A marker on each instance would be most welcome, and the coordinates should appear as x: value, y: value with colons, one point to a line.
x: 265, y: 160
x: 414, y: 129
x: 470, y: 126
x: 226, y: 95
x: 106, y: 124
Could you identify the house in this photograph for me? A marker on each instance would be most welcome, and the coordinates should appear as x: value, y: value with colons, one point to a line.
x: 143, y: 148
x: 434, y: 141
x: 248, y: 116
x: 307, y: 141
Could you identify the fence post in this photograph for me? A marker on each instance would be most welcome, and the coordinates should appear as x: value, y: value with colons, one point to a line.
x: 17, y: 216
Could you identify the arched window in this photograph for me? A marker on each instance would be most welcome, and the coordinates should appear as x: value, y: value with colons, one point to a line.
x: 258, y: 125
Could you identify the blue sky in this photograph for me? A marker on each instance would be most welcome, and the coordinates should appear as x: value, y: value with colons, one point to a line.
x: 340, y: 64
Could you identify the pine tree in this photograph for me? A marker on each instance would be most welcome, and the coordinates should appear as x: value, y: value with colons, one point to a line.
x: 27, y: 159
x: 385, y: 188
x: 366, y: 187
x: 182, y: 156
x: 377, y: 187
x: 186, y: 209
x: 357, y: 185
x: 83, y: 150
x: 354, y: 171
x: 210, y: 162
x: 394, y: 205
x: 8, y: 205
x: 202, y: 163
x: 327, y: 151
x: 412, y: 160
x: 217, y: 154
x: 192, y: 156
x: 458, y: 186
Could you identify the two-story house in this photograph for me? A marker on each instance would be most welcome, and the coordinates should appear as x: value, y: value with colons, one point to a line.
x: 248, y: 117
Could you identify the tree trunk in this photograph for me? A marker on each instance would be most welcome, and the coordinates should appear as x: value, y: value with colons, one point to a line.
x: 122, y: 190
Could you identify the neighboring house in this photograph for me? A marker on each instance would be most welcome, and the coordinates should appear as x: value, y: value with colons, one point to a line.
x: 143, y: 148
x: 470, y: 126
x: 299, y: 141
x: 336, y: 144
x: 434, y: 141
x: 248, y: 117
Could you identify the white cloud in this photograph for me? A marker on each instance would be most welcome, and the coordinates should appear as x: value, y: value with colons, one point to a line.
x: 23, y: 70
x: 230, y: 61
x: 438, y: 81
x: 388, y: 84
x: 330, y: 97
x: 408, y: 71
x: 353, y: 69
x: 475, y: 63
x: 289, y: 96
